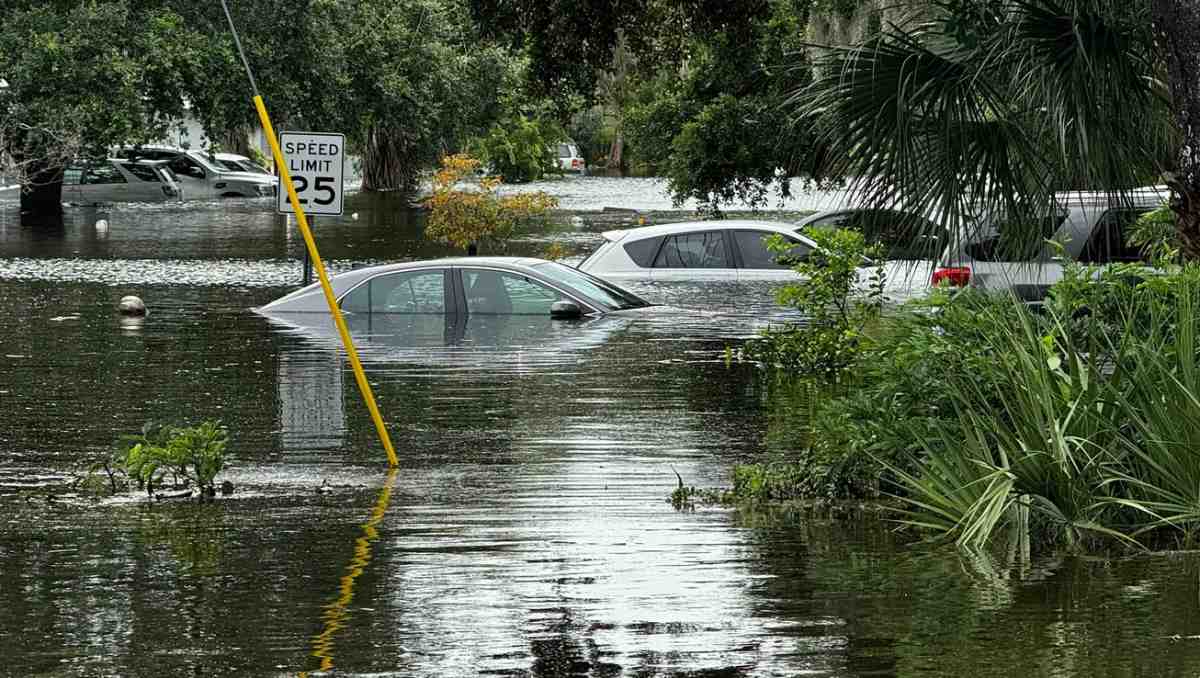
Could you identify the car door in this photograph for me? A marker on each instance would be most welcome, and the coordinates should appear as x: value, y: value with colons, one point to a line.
x: 72, y: 176
x: 425, y: 291
x: 103, y: 182
x: 488, y: 291
x: 145, y: 184
x: 700, y: 255
x: 193, y: 179
x: 756, y: 262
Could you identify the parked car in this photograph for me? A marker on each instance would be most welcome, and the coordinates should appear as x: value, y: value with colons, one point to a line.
x: 240, y: 163
x: 569, y: 158
x: 1088, y: 228
x: 466, y: 286
x: 910, y: 243
x: 202, y: 177
x: 732, y: 249
x: 119, y: 180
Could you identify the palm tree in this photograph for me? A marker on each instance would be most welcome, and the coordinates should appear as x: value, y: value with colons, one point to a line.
x: 990, y: 106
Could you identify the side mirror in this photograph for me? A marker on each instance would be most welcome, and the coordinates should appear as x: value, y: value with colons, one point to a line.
x: 565, y: 310
x: 195, y: 172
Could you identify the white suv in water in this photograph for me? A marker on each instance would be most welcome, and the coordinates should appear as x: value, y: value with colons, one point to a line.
x: 1088, y: 228
x: 203, y: 177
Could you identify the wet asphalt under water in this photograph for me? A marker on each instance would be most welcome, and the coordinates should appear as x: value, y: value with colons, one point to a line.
x: 527, y: 530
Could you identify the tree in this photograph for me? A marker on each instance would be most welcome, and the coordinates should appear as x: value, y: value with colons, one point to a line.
x: 406, y: 81
x: 82, y: 77
x: 709, y: 110
x: 992, y: 106
x: 1177, y: 32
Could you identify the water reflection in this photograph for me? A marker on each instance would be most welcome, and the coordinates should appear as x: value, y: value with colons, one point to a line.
x: 527, y: 531
x: 336, y: 614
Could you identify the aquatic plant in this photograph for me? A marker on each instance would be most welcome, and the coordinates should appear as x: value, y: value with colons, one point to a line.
x: 190, y: 454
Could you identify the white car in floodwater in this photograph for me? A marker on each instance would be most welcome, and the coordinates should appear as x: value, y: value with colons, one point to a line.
x: 467, y: 286
x: 112, y: 180
x: 735, y: 250
x: 203, y: 177
x: 732, y: 249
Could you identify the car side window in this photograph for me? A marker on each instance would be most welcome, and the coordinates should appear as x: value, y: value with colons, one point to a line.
x: 1108, y: 242
x: 185, y: 166
x: 141, y: 172
x: 103, y: 174
x: 642, y: 251
x: 499, y: 292
x: 753, y: 247
x: 693, y: 250
x: 409, y: 292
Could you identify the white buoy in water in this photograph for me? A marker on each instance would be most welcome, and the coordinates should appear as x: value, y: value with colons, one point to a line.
x: 102, y: 225
x: 354, y: 216
x: 131, y: 305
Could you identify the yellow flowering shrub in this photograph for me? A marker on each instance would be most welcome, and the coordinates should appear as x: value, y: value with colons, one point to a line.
x: 462, y: 217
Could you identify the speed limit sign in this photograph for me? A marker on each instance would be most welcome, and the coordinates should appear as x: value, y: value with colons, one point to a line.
x: 316, y: 162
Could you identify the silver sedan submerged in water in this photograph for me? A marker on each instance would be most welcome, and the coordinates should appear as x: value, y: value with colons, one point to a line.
x: 466, y: 286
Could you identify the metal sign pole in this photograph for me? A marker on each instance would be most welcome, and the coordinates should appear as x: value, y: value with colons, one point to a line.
x: 307, y: 280
x: 276, y: 152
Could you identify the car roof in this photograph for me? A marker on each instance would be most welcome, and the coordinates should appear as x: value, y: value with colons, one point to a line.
x: 696, y: 226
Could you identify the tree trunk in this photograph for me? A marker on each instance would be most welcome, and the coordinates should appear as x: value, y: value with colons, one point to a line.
x: 616, y: 154
x: 389, y: 162
x: 1177, y: 30
x: 237, y: 140
x: 42, y: 192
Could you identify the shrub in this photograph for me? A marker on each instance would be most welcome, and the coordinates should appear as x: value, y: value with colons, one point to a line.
x: 837, y: 305
x: 520, y: 149
x: 465, y: 217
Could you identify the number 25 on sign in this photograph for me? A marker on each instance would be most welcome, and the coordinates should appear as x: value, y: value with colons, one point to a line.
x: 316, y: 162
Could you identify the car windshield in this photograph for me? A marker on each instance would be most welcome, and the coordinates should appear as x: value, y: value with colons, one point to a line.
x: 605, y: 292
x: 249, y: 166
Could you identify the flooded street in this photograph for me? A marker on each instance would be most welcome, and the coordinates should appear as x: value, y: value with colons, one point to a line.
x: 527, y: 530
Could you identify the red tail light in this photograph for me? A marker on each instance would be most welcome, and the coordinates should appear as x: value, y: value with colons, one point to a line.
x: 576, y: 164
x: 955, y: 276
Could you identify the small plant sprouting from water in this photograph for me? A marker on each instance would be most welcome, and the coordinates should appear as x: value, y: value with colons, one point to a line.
x: 190, y: 455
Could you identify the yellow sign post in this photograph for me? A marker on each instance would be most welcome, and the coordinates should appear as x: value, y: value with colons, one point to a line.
x: 302, y: 222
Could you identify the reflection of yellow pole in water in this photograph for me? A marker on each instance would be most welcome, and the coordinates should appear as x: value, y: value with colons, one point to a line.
x: 335, y: 613
x: 302, y: 223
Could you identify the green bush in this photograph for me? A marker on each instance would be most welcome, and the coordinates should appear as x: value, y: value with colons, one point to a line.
x: 837, y: 306
x: 520, y: 149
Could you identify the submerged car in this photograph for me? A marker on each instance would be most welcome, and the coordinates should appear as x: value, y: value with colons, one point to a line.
x: 568, y: 157
x: 466, y: 286
x: 202, y: 177
x: 89, y: 182
x: 1087, y: 227
x: 119, y: 180
x: 240, y: 163
x: 696, y: 250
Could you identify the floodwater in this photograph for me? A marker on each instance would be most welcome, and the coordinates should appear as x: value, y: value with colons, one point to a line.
x: 527, y: 530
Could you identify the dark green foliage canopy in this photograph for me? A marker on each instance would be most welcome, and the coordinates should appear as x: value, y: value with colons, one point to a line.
x: 83, y: 77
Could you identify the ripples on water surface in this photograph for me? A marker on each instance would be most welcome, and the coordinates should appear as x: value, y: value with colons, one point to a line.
x: 526, y: 532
